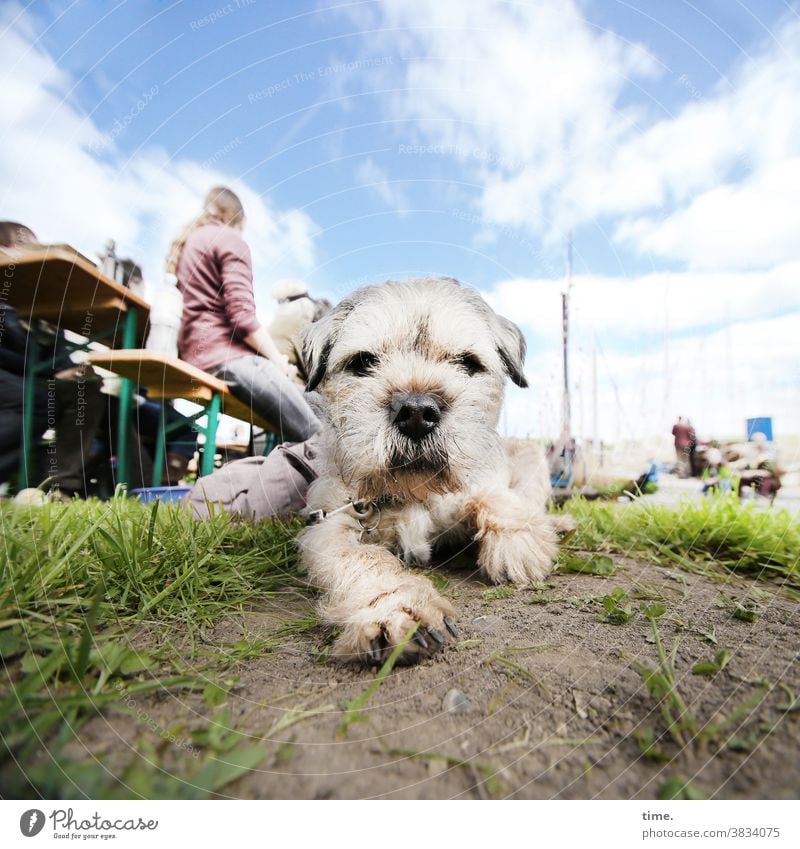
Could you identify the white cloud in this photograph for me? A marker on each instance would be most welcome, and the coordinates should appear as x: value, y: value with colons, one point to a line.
x: 53, y: 179
x: 751, y: 225
x: 631, y: 311
x: 718, y: 379
x: 748, y: 123
x: 373, y: 177
x: 510, y: 86
x: 530, y: 99
x: 531, y: 96
x: 659, y: 351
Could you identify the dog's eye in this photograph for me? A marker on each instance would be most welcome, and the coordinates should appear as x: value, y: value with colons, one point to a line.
x: 470, y: 363
x: 361, y: 364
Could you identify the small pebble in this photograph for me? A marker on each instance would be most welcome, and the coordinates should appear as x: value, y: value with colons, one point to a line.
x: 436, y: 766
x: 486, y: 624
x: 457, y: 702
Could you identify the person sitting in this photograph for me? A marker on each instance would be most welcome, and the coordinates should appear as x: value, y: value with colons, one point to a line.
x: 717, y: 475
x: 66, y: 398
x: 220, y: 332
x: 761, y: 474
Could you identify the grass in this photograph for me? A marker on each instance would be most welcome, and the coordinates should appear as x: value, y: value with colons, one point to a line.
x: 112, y: 607
x: 354, y: 710
x: 717, y: 536
x: 679, y: 788
x: 485, y: 779
x: 747, y: 609
x: 80, y: 583
x: 219, y: 755
x: 617, y: 609
x: 739, y: 729
x: 514, y: 672
x: 661, y: 682
x: 600, y: 565
x: 713, y: 666
x: 498, y: 593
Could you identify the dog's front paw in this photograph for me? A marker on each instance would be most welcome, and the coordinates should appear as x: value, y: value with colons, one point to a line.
x: 372, y: 632
x: 521, y: 556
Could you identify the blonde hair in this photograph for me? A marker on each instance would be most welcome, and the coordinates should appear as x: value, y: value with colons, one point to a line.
x: 221, y: 205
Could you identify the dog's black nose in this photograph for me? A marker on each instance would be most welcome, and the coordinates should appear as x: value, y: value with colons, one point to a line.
x: 416, y: 415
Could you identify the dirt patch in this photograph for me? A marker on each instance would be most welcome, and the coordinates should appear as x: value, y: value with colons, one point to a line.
x: 549, y: 703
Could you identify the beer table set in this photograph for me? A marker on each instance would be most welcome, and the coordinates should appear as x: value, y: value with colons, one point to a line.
x: 60, y: 286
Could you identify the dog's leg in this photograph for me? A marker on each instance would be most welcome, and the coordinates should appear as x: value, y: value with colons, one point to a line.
x: 414, y: 531
x: 517, y: 541
x: 371, y: 596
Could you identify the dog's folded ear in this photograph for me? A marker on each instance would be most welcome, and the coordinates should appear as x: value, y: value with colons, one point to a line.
x: 511, y: 347
x: 317, y: 344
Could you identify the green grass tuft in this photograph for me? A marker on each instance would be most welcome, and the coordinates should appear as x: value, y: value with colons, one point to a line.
x: 717, y: 535
x: 80, y: 581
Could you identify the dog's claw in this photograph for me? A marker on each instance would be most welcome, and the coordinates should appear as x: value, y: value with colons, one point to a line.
x: 437, y: 635
x: 375, y: 650
x: 450, y: 626
x: 420, y: 639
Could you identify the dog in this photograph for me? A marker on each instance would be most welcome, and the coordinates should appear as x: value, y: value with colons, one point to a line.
x: 412, y: 376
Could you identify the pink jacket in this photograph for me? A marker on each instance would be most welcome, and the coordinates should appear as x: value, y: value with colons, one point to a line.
x: 215, y: 277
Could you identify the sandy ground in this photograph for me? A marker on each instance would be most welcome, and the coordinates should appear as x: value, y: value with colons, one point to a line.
x: 551, y: 700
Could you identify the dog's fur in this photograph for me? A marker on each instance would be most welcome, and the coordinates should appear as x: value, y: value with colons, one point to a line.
x: 458, y: 484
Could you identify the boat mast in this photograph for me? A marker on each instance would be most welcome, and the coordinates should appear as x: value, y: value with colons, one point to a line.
x: 566, y: 409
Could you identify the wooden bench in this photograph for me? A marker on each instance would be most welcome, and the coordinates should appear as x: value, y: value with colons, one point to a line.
x: 170, y: 378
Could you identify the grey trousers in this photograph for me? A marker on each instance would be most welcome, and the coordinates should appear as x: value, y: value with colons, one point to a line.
x: 255, y: 381
x: 257, y: 488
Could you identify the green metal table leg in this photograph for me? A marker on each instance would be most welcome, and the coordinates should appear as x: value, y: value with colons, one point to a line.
x: 125, y: 403
x: 161, y: 445
x: 27, y: 462
x: 210, y: 447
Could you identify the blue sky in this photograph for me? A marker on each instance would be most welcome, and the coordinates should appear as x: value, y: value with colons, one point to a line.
x: 384, y: 139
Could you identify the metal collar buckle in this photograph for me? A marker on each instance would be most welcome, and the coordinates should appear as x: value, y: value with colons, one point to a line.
x: 368, y: 514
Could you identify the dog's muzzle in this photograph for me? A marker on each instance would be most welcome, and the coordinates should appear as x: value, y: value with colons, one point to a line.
x: 415, y: 415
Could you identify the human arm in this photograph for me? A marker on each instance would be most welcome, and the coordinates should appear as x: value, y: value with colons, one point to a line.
x: 261, y: 342
x: 236, y: 270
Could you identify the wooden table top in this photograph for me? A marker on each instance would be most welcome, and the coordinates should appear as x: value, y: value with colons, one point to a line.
x: 62, y: 287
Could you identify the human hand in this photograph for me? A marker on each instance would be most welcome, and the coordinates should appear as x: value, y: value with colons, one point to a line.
x: 288, y: 368
x: 82, y: 371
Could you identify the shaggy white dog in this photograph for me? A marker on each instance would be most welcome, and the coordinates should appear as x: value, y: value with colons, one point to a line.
x: 412, y: 375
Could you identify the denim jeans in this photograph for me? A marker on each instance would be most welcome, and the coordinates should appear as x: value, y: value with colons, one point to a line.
x: 255, y: 381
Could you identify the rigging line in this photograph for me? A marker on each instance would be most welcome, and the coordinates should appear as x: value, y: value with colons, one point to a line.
x: 620, y: 405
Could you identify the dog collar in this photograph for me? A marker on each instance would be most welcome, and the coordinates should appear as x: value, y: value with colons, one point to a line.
x: 362, y: 509
x: 367, y: 511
